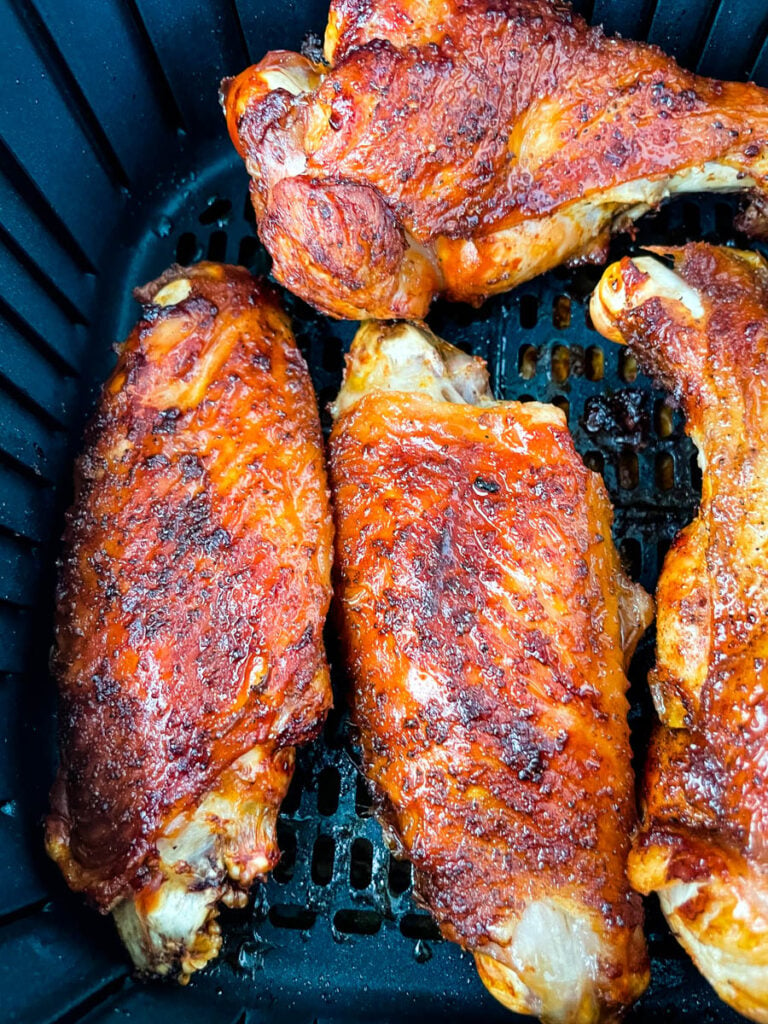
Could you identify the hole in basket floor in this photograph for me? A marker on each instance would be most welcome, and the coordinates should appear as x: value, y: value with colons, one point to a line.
x: 328, y: 790
x: 187, y: 249
x: 286, y: 840
x: 361, y: 863
x: 357, y: 922
x: 561, y: 313
x: 545, y: 344
x: 216, y: 212
x: 664, y: 471
x: 628, y: 470
x: 560, y: 363
x: 323, y: 853
x: 529, y: 311
x: 293, y: 797
x: 420, y: 926
x: 526, y: 361
x: 594, y: 363
x: 399, y: 876
x: 287, y: 915
x: 631, y: 554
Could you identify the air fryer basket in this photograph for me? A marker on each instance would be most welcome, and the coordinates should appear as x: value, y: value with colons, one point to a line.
x: 114, y: 162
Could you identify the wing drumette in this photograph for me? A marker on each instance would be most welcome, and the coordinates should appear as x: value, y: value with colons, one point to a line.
x: 701, y: 329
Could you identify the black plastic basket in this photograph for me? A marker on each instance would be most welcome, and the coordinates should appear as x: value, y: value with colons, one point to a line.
x: 114, y: 162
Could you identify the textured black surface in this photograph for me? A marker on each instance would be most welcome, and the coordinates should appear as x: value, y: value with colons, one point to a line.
x: 114, y: 163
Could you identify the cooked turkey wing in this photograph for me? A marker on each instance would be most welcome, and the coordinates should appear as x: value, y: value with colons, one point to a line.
x: 191, y: 599
x: 698, y: 321
x: 460, y: 148
x: 487, y: 624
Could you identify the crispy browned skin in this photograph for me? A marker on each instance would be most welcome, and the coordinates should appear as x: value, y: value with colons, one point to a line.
x: 463, y: 146
x: 192, y: 594
x: 482, y: 604
x: 702, y: 331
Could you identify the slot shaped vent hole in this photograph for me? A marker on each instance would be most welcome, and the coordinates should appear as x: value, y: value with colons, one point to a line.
x: 664, y: 471
x: 246, y: 253
x: 419, y: 926
x: 323, y: 854
x: 187, y: 249
x: 594, y: 461
x: 526, y: 361
x: 332, y: 355
x: 561, y: 312
x: 594, y: 363
x: 627, y: 366
x: 723, y: 221
x: 628, y: 470
x: 328, y: 790
x: 562, y: 403
x: 560, y: 364
x: 631, y: 555
x: 661, y: 221
x: 217, y: 246
x: 529, y: 311
x: 577, y: 360
x: 692, y: 220
x: 363, y: 798
x: 663, y: 418
x: 286, y: 840
x: 357, y: 922
x: 525, y: 398
x: 399, y: 876
x: 249, y: 215
x: 216, y: 212
x: 287, y: 915
x: 361, y: 863
x: 293, y: 797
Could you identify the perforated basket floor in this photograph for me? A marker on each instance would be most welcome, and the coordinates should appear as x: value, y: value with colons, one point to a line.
x: 91, y: 208
x: 335, y: 933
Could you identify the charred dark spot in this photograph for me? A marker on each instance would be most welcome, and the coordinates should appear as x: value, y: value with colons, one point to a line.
x: 312, y: 47
x: 437, y: 731
x: 187, y: 523
x: 220, y: 538
x: 304, y: 640
x: 104, y: 687
x: 485, y: 485
x: 167, y: 423
x: 191, y: 467
x: 526, y: 749
x: 154, y: 623
x: 622, y: 416
x: 536, y: 646
x: 176, y: 748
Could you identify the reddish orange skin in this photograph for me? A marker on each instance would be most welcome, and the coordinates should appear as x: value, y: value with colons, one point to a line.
x: 199, y: 543
x: 478, y: 586
x: 706, y: 785
x: 448, y: 121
